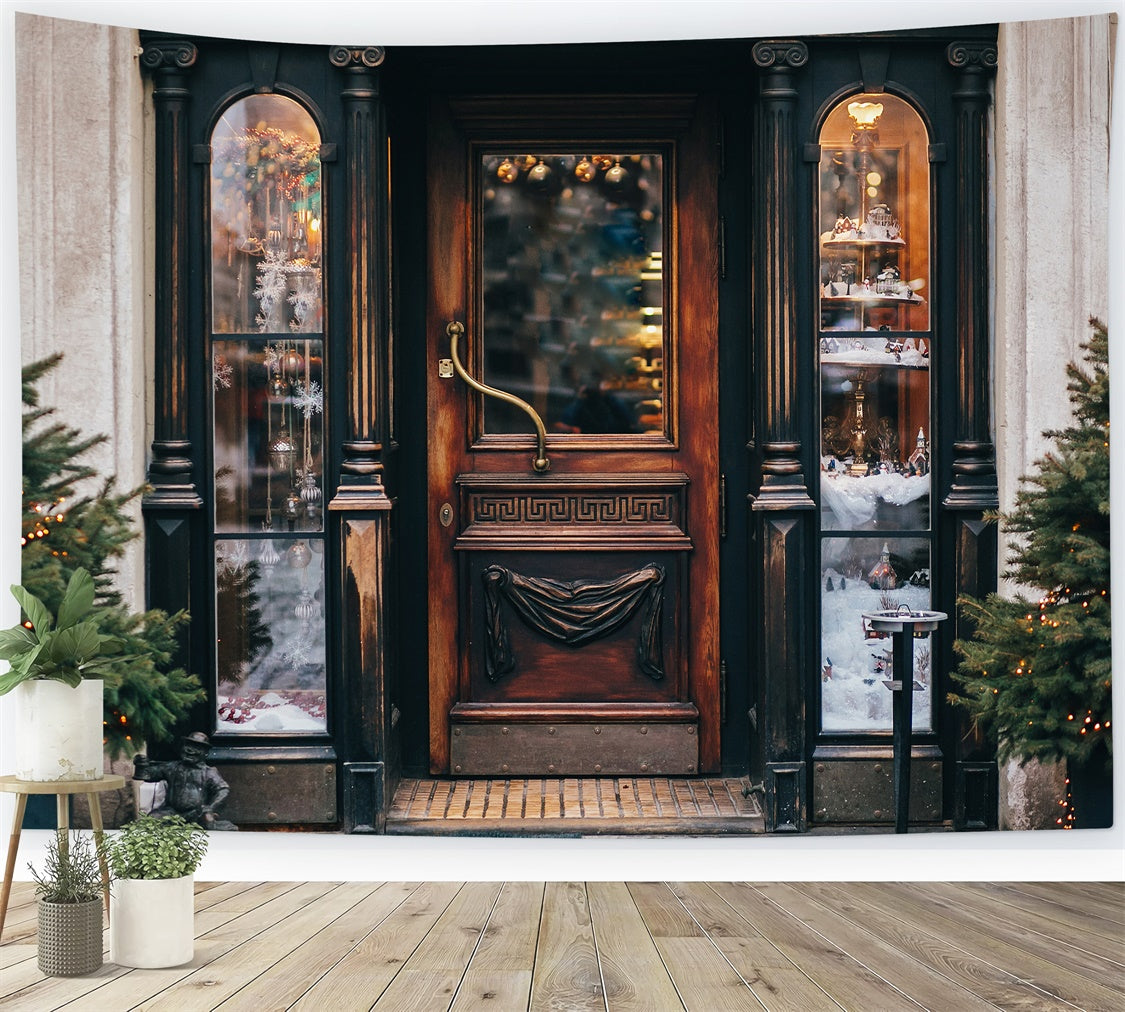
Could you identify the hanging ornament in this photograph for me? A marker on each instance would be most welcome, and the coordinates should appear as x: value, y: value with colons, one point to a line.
x: 616, y: 179
x: 584, y: 170
x: 292, y: 362
x: 310, y: 489
x: 506, y: 172
x: 306, y: 607
x: 293, y: 506
x: 281, y: 451
x: 279, y: 386
x: 539, y: 178
x: 268, y: 555
x: 298, y: 555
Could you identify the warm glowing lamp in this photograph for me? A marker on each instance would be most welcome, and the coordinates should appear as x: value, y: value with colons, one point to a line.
x: 865, y: 114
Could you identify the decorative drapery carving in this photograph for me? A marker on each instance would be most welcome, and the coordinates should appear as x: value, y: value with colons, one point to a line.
x: 574, y: 612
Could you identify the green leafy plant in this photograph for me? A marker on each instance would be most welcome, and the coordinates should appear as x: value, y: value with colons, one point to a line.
x: 156, y: 848
x: 66, y: 647
x: 71, y: 872
x: 73, y: 520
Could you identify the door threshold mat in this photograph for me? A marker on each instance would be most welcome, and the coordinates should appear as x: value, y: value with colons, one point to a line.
x: 575, y: 806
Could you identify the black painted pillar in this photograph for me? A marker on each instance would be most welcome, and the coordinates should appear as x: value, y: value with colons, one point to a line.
x: 360, y: 506
x: 173, y: 502
x: 782, y: 504
x: 973, y: 485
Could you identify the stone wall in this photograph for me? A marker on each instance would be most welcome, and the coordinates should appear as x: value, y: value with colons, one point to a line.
x: 81, y: 172
x: 1051, y: 247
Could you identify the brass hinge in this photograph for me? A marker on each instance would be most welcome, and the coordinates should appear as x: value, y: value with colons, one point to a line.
x: 722, y: 692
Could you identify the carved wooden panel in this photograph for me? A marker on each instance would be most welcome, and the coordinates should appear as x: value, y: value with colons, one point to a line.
x: 596, y: 509
x: 579, y: 627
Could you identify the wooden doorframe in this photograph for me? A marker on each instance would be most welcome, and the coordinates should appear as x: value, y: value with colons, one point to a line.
x: 694, y: 231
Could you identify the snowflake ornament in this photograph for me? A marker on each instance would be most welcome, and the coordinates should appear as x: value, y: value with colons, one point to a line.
x: 223, y: 373
x: 308, y: 399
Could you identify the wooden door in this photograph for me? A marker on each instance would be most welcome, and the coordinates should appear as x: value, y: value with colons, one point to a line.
x: 573, y: 587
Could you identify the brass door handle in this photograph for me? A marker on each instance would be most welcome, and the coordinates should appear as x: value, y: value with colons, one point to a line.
x: 540, y: 461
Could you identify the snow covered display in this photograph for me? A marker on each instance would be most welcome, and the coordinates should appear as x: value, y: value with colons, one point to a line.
x: 271, y: 642
x: 864, y: 575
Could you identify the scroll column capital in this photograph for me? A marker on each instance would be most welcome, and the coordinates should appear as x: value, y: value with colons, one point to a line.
x: 782, y: 53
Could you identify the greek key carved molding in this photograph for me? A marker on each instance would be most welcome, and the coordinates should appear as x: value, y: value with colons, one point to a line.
x: 573, y: 508
x: 788, y: 53
x: 357, y: 57
x: 174, y: 54
x: 980, y: 55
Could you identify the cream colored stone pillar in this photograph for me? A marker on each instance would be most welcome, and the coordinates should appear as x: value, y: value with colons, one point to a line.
x: 82, y: 285
x: 1051, y: 247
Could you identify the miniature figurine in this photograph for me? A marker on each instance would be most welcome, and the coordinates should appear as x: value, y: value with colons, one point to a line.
x: 195, y: 790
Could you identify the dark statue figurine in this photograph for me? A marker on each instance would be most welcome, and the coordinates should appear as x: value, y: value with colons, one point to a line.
x: 195, y: 790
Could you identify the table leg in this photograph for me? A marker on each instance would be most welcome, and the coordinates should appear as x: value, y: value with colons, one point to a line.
x: 62, y: 807
x: 10, y: 864
x: 99, y: 844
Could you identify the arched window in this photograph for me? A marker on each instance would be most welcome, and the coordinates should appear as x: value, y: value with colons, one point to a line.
x: 267, y: 362
x: 875, y: 296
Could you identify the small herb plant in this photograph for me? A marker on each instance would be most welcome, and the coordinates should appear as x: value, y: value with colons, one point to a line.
x: 71, y: 873
x: 67, y: 647
x: 153, y: 848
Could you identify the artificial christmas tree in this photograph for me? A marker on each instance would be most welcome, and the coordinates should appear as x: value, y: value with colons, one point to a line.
x: 146, y: 694
x: 1037, y: 672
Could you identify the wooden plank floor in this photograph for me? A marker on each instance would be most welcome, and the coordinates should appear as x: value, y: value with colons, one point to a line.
x: 654, y: 946
x: 575, y: 806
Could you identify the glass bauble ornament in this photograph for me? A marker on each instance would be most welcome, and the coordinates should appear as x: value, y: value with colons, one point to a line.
x: 310, y: 490
x: 584, y: 171
x: 279, y: 386
x: 281, y: 450
x: 268, y: 555
x: 293, y: 506
x: 306, y: 607
x: 616, y: 178
x: 299, y: 555
x: 539, y: 178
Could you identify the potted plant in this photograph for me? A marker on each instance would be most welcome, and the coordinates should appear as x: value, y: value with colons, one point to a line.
x: 69, y: 901
x: 152, y: 903
x: 55, y: 661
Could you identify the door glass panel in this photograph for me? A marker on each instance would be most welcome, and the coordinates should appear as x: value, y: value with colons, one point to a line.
x: 270, y: 635
x: 874, y: 216
x: 875, y: 424
x: 265, y: 218
x: 267, y: 364
x: 875, y: 402
x: 573, y: 291
x: 863, y: 575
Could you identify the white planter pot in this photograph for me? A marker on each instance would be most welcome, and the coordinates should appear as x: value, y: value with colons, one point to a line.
x: 152, y: 921
x: 59, y: 730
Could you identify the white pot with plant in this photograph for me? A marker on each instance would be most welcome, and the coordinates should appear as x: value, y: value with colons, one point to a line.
x: 152, y: 903
x: 69, y: 892
x: 55, y: 663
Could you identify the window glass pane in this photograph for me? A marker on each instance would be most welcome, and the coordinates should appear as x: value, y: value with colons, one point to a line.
x: 266, y: 219
x: 268, y: 437
x: 874, y: 217
x: 864, y: 575
x: 573, y: 289
x: 875, y: 429
x: 270, y: 648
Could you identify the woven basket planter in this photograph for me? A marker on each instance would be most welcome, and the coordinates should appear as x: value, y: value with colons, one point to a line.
x: 70, y: 938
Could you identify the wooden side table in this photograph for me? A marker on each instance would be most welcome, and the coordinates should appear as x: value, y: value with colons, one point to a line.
x: 62, y: 789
